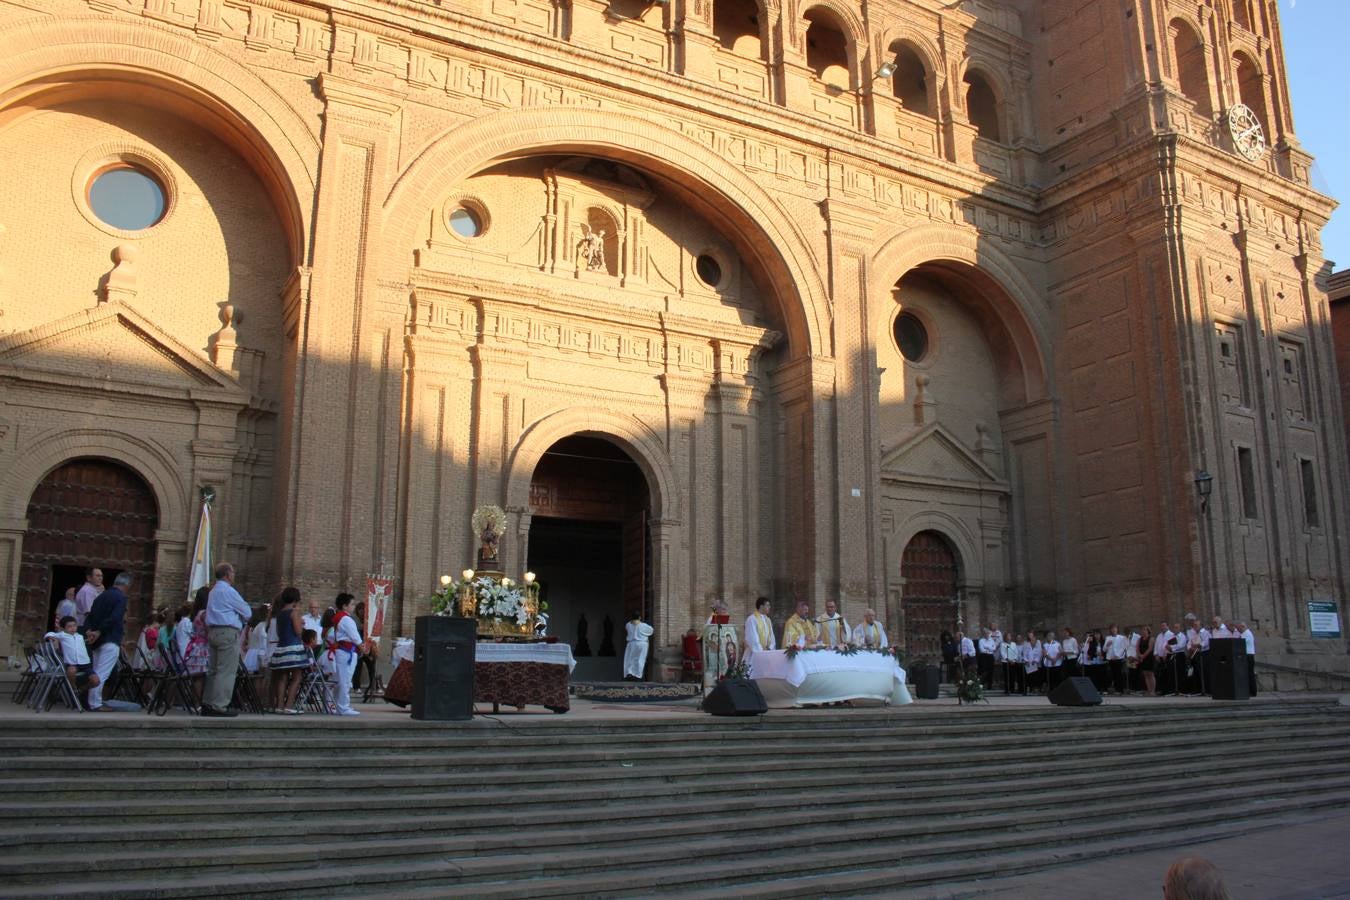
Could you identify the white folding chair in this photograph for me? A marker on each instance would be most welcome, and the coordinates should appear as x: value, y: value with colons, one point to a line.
x: 316, y: 692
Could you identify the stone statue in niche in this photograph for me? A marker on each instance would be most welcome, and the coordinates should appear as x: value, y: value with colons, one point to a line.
x: 591, y: 250
x: 583, y: 647
x: 607, y: 637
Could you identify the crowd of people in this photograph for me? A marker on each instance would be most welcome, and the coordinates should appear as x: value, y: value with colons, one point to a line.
x: 207, y: 639
x: 1164, y: 662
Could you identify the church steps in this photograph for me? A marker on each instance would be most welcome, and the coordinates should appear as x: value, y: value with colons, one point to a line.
x: 661, y: 772
x: 132, y: 753
x: 895, y: 817
x: 273, y: 733
x: 511, y: 808
x: 648, y: 868
x: 228, y: 761
x: 929, y: 778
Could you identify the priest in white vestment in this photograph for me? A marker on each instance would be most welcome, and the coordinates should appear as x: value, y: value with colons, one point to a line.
x: 759, y: 629
x: 834, y: 630
x: 869, y: 633
x: 635, y: 651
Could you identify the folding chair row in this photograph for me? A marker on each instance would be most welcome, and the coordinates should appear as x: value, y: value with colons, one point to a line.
x: 173, y: 682
x: 51, y: 677
x: 316, y: 692
x: 245, y: 697
x: 28, y: 678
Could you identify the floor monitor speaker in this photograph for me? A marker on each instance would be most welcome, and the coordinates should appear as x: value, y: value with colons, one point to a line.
x: 735, y: 697
x: 443, y: 656
x: 1076, y: 691
x: 927, y: 682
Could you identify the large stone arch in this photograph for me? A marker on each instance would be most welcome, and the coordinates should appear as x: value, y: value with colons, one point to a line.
x: 239, y: 107
x: 1024, y: 318
x: 964, y: 543
x: 779, y: 245
x: 639, y: 441
x: 51, y: 449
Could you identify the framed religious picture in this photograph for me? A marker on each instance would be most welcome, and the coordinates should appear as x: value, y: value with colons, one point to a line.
x: 379, y: 588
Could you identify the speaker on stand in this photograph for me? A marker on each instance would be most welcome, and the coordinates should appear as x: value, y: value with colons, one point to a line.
x: 444, y: 648
x: 1228, y: 669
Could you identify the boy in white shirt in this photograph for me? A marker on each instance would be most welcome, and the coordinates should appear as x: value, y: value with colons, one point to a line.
x: 74, y: 653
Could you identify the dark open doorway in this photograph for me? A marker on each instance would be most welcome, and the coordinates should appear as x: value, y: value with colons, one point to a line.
x: 589, y: 547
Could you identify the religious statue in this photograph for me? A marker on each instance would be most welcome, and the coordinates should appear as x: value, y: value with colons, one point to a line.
x: 591, y: 249
x: 488, y: 523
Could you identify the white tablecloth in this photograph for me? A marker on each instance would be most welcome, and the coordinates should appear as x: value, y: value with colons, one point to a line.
x: 559, y: 654
x: 824, y: 676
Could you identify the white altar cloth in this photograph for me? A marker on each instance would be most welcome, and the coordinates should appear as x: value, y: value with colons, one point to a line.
x: 559, y: 654
x: 825, y: 676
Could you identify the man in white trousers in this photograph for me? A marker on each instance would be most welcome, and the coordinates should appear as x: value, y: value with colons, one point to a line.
x: 346, y: 647
x: 635, y: 651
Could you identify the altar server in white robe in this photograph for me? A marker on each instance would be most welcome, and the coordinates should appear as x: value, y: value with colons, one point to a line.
x: 635, y: 651
x: 759, y: 630
x: 834, y: 630
x: 869, y: 632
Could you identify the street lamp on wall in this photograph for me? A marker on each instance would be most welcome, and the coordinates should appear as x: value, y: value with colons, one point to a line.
x: 885, y: 70
x: 1204, y: 485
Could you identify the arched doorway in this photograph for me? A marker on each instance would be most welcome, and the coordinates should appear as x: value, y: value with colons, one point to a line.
x: 590, y: 547
x: 86, y: 512
x: 929, y: 569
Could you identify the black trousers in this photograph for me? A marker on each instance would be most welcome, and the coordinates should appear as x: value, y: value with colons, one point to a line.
x: 1070, y: 668
x: 1251, y: 674
x: 1117, y: 667
x: 984, y: 664
x: 1053, y: 676
x: 1014, y: 678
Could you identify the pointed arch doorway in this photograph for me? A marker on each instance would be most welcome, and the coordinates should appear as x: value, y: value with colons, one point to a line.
x: 591, y: 548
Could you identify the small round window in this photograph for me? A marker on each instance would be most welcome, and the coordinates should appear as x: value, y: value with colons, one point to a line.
x: 127, y: 197
x: 709, y: 270
x: 465, y: 222
x: 911, y: 337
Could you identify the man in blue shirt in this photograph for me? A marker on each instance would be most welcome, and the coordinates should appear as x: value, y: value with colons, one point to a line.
x: 226, y: 615
x: 103, y: 630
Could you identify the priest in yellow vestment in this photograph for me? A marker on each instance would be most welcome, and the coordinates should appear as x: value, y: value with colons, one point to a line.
x: 800, y: 629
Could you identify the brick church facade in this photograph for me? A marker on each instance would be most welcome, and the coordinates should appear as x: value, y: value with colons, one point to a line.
x: 945, y: 309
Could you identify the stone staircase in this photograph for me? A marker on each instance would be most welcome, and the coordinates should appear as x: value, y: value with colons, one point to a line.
x: 806, y: 804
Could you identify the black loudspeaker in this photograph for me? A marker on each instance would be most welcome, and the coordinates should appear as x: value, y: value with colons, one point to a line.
x: 735, y: 697
x: 443, y: 655
x: 927, y: 680
x: 1228, y: 669
x: 1076, y: 691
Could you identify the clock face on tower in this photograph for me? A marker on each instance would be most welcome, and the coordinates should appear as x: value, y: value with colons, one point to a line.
x: 1248, y: 138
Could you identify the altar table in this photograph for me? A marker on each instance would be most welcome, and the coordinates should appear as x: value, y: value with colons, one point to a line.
x: 503, y: 674
x: 825, y: 676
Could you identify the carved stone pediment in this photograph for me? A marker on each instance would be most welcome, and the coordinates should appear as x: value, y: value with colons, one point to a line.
x: 112, y: 344
x: 933, y: 454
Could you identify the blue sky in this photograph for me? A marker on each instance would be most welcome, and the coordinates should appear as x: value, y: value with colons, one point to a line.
x: 1314, y: 41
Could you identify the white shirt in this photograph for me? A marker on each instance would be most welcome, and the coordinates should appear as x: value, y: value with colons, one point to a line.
x: 182, y: 633
x: 346, y: 630
x: 84, y: 599
x: 312, y: 623
x: 997, y: 636
x: 967, y: 647
x: 224, y: 606
x: 73, y: 648
x: 873, y: 635
x: 1250, y: 639
x: 988, y: 645
x: 1011, y: 653
x: 1182, y: 641
x: 637, y: 631
x: 757, y: 628
x: 1160, y: 648
x: 1053, y: 655
x: 834, y: 629
x: 1117, y: 647
x: 1070, y: 647
x: 1222, y: 631
x: 1031, y: 656
x: 66, y: 608
x: 1204, y: 639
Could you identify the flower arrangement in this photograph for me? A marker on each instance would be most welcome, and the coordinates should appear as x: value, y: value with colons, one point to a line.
x: 502, y: 607
x: 969, y: 688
